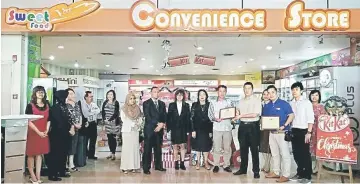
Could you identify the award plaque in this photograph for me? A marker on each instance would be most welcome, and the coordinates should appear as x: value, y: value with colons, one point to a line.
x: 270, y: 122
x: 227, y: 113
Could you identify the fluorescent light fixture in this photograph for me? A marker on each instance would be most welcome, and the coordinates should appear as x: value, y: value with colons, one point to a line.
x: 131, y: 48
x: 107, y: 66
x: 60, y: 47
x: 263, y: 67
x: 51, y: 57
x: 269, y: 47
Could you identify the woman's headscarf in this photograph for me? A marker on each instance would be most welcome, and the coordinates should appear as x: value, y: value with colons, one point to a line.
x: 133, y: 112
x: 60, y: 96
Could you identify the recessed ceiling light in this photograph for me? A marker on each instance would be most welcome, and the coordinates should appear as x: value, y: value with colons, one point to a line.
x: 232, y: 71
x: 239, y: 66
x: 131, y: 48
x: 60, y: 47
x: 251, y: 59
x: 51, y: 57
x: 76, y: 65
x: 263, y: 67
x: 107, y: 65
x: 143, y: 59
x: 161, y: 74
x: 199, y: 48
x: 268, y: 47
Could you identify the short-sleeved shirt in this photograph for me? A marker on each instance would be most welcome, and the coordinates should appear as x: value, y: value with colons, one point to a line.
x: 279, y: 108
x: 249, y: 105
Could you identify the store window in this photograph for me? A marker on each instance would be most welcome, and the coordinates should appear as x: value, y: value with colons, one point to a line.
x: 344, y: 4
x: 200, y: 4
x: 282, y: 4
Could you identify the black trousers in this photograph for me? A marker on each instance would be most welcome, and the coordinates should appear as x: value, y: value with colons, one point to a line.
x: 91, y: 139
x: 154, y: 140
x: 59, y: 146
x: 301, y: 152
x: 248, y: 135
x: 112, y: 142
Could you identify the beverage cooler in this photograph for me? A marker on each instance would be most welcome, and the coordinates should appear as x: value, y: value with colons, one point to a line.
x: 344, y: 82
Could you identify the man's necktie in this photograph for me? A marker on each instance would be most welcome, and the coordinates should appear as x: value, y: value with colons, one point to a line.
x: 157, y: 105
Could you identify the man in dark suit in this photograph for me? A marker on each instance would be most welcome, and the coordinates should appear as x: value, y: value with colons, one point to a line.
x: 155, y: 118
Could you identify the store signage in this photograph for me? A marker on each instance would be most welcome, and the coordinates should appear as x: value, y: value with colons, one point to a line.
x: 72, y: 82
x: 145, y: 16
x: 335, y: 138
x: 150, y: 82
x: 45, y: 19
x: 179, y: 60
x: 205, y: 60
x: 297, y: 17
x: 196, y: 83
x: 79, y: 80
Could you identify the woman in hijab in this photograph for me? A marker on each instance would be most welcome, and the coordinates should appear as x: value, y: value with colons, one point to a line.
x: 60, y: 136
x: 131, y: 117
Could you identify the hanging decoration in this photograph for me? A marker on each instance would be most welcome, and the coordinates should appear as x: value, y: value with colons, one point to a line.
x: 166, y: 45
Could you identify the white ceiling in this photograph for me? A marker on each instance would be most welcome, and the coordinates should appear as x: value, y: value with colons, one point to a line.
x: 86, y: 50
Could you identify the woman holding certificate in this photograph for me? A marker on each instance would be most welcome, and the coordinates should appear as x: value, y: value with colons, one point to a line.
x: 179, y: 123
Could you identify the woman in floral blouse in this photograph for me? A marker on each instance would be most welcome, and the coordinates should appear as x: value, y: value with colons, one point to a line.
x: 315, y: 99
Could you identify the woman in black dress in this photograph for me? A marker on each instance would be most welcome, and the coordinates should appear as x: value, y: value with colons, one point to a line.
x: 202, y: 127
x: 60, y: 136
x: 179, y: 123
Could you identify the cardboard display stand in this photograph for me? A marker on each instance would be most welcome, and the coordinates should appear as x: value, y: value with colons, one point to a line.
x: 335, y: 141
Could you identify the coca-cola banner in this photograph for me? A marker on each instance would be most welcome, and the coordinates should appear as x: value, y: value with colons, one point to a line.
x: 179, y: 60
x: 335, y: 141
x: 205, y: 60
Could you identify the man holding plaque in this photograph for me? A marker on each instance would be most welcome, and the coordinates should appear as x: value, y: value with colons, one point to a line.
x: 220, y: 113
x: 277, y: 116
x: 249, y: 130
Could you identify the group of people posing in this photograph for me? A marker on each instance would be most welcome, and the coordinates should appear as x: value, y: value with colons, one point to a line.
x: 68, y: 131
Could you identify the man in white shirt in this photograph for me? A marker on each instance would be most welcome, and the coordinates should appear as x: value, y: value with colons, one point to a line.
x: 222, y: 135
x: 90, y: 111
x: 301, y: 130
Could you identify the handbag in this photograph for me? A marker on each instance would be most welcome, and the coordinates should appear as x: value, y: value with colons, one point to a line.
x: 288, y: 136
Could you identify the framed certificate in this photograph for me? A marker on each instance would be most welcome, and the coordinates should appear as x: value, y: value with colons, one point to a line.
x: 227, y: 113
x: 270, y: 122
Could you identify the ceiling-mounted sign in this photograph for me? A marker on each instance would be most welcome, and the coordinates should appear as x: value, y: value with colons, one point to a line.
x: 45, y: 19
x: 145, y: 16
x: 179, y: 60
x: 208, y: 83
x: 297, y: 17
x: 205, y: 60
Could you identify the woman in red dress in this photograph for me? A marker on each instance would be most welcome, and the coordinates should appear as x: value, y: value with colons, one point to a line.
x: 37, y: 142
x: 315, y: 99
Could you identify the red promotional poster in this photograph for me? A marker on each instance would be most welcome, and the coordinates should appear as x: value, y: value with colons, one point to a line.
x: 335, y: 141
x: 205, y: 60
x: 179, y: 60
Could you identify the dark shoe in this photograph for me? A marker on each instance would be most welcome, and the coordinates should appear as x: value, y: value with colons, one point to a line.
x: 296, y: 178
x: 147, y: 172
x: 53, y: 178
x: 228, y: 169
x: 239, y: 172
x: 160, y: 169
x: 65, y: 175
x: 92, y: 158
x: 182, y: 166
x: 216, y: 169
x: 177, y: 165
x: 74, y: 169
x: 256, y: 175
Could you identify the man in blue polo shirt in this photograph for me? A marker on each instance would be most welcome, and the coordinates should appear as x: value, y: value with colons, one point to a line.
x: 280, y: 150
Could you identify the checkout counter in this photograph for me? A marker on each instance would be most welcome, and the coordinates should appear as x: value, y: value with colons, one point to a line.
x: 13, y: 144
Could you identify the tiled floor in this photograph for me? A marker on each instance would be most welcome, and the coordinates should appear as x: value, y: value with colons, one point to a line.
x: 106, y: 171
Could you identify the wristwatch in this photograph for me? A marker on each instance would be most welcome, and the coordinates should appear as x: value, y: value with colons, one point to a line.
x: 309, y: 132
